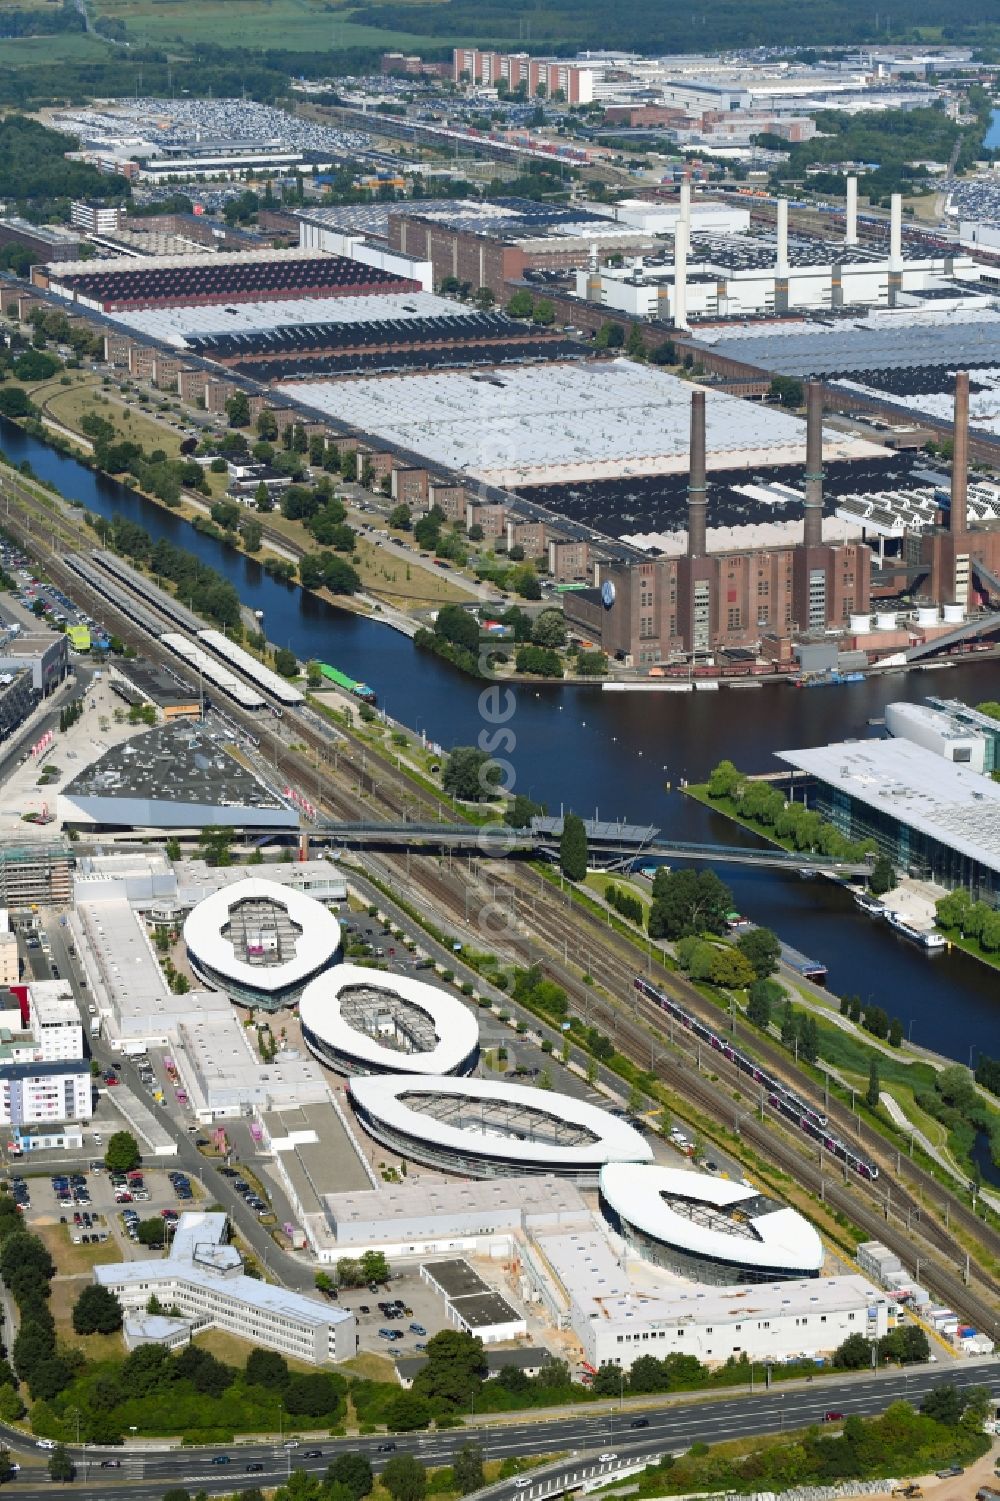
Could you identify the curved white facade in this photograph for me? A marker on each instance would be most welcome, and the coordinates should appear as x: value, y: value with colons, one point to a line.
x: 260, y: 942
x: 707, y: 1228
x: 487, y: 1128
x: 359, y: 1020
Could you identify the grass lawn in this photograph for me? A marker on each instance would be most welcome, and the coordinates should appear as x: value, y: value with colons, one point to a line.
x: 370, y: 1367
x: 63, y: 47
x: 298, y: 25
x: 68, y: 404
x: 596, y: 881
x: 234, y: 1351
x: 63, y: 1295
x: 75, y: 1260
x: 385, y: 574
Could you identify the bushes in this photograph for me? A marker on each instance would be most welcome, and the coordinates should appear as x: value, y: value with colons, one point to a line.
x: 97, y: 1311
x: 624, y: 903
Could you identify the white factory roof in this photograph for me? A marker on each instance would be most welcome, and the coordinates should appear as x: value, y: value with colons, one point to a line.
x: 495, y: 1199
x: 316, y: 943
x: 716, y: 1218
x: 945, y: 801
x: 592, y: 1274
x: 199, y: 1253
x: 614, y: 1140
x: 446, y: 1022
x: 174, y: 324
x: 540, y: 424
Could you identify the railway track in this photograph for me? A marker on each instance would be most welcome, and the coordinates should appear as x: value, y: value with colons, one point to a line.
x: 883, y: 1211
x: 612, y: 961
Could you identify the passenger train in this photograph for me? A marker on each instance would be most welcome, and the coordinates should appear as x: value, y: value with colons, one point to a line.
x: 779, y: 1096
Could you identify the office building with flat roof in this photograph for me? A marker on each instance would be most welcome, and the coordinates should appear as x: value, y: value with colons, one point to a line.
x: 932, y: 816
x: 203, y: 1276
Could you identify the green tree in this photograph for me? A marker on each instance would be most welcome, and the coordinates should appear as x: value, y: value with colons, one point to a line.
x: 549, y: 629
x: 238, y: 410
x: 152, y: 1232
x: 266, y: 1368
x: 400, y: 518
x: 375, y: 1267
x: 787, y: 390
x: 286, y: 662
x: 173, y: 849
x: 688, y: 901
x: 97, y: 1311
x: 882, y: 876
x: 854, y: 1354
x: 252, y: 533
x: 635, y: 348
x: 895, y: 1033
x: 543, y: 312
x: 471, y: 775
x: 723, y: 780
x: 61, y: 1467
x: 408, y: 1411
x: 121, y: 1154
x: 730, y: 969
x: 573, y: 848
x: 763, y: 950
x: 405, y: 1478
x: 467, y: 1469
x: 762, y: 996
x: 454, y: 1370
x: 521, y: 305
x: 353, y: 1470
x: 874, y: 1086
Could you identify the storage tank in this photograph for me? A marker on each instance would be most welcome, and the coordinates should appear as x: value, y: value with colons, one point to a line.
x: 954, y: 614
x: 885, y: 620
x: 926, y: 615
x: 861, y: 624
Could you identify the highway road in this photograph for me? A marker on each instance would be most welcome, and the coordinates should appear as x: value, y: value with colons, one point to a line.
x: 673, y: 1424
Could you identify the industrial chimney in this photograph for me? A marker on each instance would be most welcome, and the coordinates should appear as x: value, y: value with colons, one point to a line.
x: 781, y: 268
x: 680, y: 273
x: 697, y: 493
x: 957, y: 522
x: 813, y: 530
x: 895, y: 248
x: 851, y: 221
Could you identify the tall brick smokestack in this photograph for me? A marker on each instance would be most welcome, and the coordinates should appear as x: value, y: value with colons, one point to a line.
x: 960, y: 457
x: 697, y: 493
x: 813, y: 530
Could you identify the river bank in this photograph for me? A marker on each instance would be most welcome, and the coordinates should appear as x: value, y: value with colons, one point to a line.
x: 616, y: 754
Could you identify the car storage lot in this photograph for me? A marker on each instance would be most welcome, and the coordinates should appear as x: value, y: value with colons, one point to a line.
x: 97, y: 1200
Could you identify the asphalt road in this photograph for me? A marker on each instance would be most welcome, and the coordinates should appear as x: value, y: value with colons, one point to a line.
x: 288, y: 1269
x: 673, y: 1425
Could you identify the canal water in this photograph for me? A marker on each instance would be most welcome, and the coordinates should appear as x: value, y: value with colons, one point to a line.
x: 992, y: 137
x: 615, y: 754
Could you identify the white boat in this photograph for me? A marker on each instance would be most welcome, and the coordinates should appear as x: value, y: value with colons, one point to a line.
x: 932, y: 942
x: 869, y: 904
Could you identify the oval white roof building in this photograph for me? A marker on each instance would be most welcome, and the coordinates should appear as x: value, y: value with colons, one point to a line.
x: 706, y: 1228
x: 360, y: 1020
x: 261, y: 942
x: 487, y: 1128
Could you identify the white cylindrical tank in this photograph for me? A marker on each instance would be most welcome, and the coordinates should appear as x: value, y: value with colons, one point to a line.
x: 885, y: 620
x: 926, y: 615
x: 954, y: 614
x: 861, y: 624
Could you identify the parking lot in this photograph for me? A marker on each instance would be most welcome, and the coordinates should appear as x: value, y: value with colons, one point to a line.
x: 97, y: 1206
x: 420, y: 1314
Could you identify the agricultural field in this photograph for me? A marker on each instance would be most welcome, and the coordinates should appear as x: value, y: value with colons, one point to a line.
x: 289, y: 25
x: 61, y: 47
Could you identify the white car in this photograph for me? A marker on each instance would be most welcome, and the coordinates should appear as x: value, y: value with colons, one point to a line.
x: 522, y: 1482
x: 45, y: 1443
x: 606, y: 1459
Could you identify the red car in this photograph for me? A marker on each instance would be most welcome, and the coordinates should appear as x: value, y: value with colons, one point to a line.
x: 833, y: 1417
